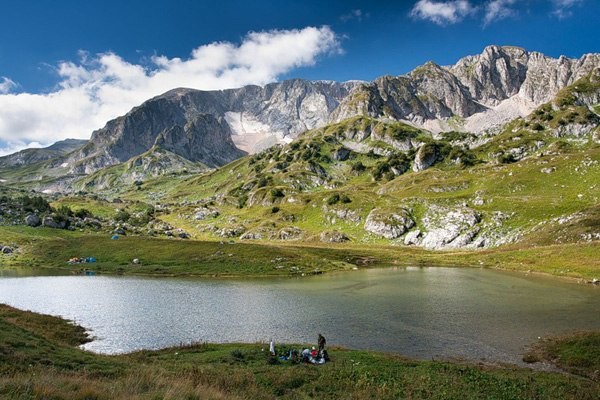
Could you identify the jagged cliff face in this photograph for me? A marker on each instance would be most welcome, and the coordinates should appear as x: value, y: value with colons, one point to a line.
x: 476, y: 94
x: 214, y: 127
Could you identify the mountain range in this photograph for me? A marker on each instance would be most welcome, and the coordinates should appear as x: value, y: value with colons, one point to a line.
x: 468, y: 155
x: 479, y: 94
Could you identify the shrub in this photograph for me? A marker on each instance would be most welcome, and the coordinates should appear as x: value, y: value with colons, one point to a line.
x: 242, y: 200
x: 83, y: 213
x: 537, y: 127
x: 333, y: 199
x: 358, y: 167
x: 507, y: 158
x: 345, y: 199
x: 275, y: 210
x: 122, y: 216
x: 35, y: 203
x: 277, y: 193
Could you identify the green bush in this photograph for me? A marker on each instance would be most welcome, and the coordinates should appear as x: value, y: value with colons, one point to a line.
x: 277, y: 193
x: 358, y: 166
x: 333, y: 199
x: 122, y: 216
x: 83, y: 213
x: 34, y: 203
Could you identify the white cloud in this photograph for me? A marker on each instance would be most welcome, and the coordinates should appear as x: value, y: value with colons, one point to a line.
x: 6, y: 85
x: 355, y: 14
x: 562, y: 8
x: 442, y: 12
x: 498, y: 9
x: 97, y: 89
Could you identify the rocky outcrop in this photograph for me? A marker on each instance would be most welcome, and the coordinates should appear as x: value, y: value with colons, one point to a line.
x: 450, y: 227
x: 389, y: 224
x: 426, y: 156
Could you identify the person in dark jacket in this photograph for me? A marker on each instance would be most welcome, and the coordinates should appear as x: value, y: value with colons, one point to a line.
x: 321, y: 341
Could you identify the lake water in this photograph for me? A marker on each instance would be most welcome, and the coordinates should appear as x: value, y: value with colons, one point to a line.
x: 419, y: 312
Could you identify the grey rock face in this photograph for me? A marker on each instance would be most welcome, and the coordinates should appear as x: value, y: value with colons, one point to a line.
x: 389, y: 224
x: 203, y: 125
x: 471, y: 86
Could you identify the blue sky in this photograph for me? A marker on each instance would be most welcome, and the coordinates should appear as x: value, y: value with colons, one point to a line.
x: 67, y: 66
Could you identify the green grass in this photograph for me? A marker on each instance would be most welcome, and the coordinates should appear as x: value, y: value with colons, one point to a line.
x: 40, y: 361
x: 577, y: 353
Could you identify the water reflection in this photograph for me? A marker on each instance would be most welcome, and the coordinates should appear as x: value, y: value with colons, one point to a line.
x: 420, y: 312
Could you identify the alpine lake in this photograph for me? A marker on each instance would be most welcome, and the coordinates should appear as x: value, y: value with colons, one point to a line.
x: 420, y: 312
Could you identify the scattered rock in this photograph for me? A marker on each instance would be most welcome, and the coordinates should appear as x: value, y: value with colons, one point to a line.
x: 232, y: 231
x: 202, y: 214
x: 548, y: 170
x: 289, y: 233
x: 251, y: 236
x: 333, y: 237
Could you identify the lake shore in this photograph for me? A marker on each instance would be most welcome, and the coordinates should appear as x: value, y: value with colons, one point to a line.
x: 41, y: 359
x: 51, y: 249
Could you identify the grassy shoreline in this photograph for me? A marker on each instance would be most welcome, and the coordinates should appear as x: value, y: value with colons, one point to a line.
x: 40, y: 359
x: 41, y: 248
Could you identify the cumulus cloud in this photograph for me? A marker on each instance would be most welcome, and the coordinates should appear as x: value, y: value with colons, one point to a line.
x: 498, y: 9
x: 99, y: 88
x: 442, y: 12
x: 562, y: 8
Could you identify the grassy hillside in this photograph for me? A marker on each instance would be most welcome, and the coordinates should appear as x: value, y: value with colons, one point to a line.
x: 40, y: 360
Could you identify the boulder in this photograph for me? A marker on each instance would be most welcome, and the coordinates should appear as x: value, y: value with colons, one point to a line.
x: 92, y: 222
x: 251, y: 236
x: 6, y: 250
x: 341, y: 154
x: 413, y: 238
x: 204, y: 213
x: 426, y: 156
x: 232, y: 231
x: 288, y: 233
x: 389, y: 223
x: 333, y: 237
x: 50, y: 222
x: 32, y: 220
